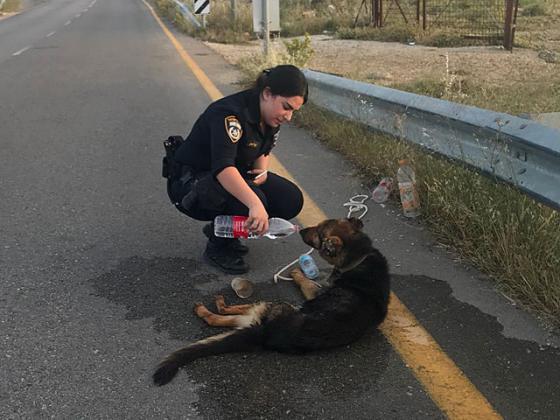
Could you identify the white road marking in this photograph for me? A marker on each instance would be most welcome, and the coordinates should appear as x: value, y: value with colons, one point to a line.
x: 67, y: 22
x: 50, y: 34
x: 78, y: 15
x: 22, y: 50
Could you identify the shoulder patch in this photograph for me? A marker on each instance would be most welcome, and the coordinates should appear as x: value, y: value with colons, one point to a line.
x: 233, y: 128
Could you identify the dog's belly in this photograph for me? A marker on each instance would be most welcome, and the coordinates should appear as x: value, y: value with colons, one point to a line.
x: 254, y: 316
x: 325, y: 333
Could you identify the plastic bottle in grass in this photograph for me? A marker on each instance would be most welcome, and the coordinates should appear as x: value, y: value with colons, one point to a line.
x: 406, y: 179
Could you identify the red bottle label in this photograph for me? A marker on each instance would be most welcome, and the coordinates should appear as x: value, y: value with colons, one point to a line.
x: 239, y: 230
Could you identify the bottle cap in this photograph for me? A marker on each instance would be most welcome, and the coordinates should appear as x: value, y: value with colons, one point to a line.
x: 242, y: 287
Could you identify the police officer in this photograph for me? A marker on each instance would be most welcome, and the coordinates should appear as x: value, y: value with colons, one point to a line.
x: 224, y: 163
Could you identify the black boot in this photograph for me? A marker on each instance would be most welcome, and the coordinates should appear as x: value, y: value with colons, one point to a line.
x: 234, y: 245
x: 221, y: 257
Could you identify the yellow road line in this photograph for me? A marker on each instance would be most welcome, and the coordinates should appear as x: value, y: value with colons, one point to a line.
x: 205, y: 82
x: 447, y: 385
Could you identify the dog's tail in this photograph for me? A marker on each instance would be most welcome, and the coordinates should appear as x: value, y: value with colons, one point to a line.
x: 245, y: 339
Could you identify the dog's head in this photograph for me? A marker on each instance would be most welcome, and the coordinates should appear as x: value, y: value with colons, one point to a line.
x: 336, y: 239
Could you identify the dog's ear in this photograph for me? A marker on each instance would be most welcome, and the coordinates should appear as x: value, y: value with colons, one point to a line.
x: 331, y: 246
x: 311, y: 237
x: 356, y: 223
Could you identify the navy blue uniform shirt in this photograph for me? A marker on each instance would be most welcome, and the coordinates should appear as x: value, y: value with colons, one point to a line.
x: 228, y: 134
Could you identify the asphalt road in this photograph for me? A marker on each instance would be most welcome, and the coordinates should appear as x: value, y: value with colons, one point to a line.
x: 98, y: 272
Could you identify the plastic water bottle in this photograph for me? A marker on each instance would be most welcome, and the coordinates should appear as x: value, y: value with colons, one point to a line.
x: 308, y: 266
x: 407, y: 188
x: 234, y: 227
x: 381, y: 192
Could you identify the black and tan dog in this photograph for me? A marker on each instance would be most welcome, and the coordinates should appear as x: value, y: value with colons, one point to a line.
x: 334, y: 316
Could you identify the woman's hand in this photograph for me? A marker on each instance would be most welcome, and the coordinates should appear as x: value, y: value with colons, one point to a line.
x: 231, y: 180
x: 258, y: 219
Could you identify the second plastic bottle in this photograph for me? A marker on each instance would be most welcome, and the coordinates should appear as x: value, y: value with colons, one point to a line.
x: 407, y: 189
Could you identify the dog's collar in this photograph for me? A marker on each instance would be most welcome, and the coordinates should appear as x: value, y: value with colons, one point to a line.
x: 353, y: 265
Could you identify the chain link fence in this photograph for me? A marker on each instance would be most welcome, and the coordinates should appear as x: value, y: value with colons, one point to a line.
x: 485, y: 21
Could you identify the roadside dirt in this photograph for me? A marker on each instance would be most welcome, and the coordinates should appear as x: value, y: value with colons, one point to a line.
x: 390, y: 63
x: 21, y: 6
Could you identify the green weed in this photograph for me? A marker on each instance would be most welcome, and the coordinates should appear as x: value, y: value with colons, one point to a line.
x: 296, y: 52
x: 299, y: 51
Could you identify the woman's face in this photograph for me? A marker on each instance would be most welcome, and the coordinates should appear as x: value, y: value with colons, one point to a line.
x: 277, y: 110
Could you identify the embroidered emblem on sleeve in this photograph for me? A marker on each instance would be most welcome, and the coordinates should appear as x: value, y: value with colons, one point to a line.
x: 233, y: 128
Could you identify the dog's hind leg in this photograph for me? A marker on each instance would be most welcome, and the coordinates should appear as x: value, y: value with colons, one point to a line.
x: 308, y: 288
x: 231, y: 309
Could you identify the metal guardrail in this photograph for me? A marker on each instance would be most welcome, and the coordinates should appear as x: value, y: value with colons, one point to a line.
x: 186, y: 13
x: 521, y: 152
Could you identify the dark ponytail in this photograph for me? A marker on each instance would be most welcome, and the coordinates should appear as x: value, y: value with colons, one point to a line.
x: 284, y: 80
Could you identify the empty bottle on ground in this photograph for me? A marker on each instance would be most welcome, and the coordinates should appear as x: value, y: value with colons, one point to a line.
x: 308, y: 266
x: 382, y: 191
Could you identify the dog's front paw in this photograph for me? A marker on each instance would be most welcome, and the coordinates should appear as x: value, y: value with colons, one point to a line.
x: 296, y: 274
x: 220, y: 302
x: 200, y: 310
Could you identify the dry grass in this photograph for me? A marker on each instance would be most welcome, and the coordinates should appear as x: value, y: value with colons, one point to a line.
x: 539, y: 96
x: 11, y: 6
x: 539, y: 31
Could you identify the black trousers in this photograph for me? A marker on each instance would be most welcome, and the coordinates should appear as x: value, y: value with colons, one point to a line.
x: 280, y: 197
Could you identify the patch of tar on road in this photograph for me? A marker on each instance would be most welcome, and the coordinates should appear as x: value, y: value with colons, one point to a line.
x: 521, y: 378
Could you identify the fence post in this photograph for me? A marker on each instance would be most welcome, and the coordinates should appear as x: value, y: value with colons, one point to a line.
x: 266, y: 28
x: 508, y: 26
x: 424, y: 19
x: 233, y: 11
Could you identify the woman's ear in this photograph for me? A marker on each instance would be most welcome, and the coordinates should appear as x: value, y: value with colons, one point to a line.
x: 266, y: 93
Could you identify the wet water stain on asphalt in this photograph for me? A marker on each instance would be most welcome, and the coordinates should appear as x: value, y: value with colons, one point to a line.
x: 347, y: 382
x: 161, y: 288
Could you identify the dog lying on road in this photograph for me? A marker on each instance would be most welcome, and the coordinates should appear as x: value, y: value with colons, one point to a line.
x: 335, y: 316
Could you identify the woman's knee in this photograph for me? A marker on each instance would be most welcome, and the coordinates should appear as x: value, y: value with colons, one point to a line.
x: 284, y: 197
x: 295, y: 202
